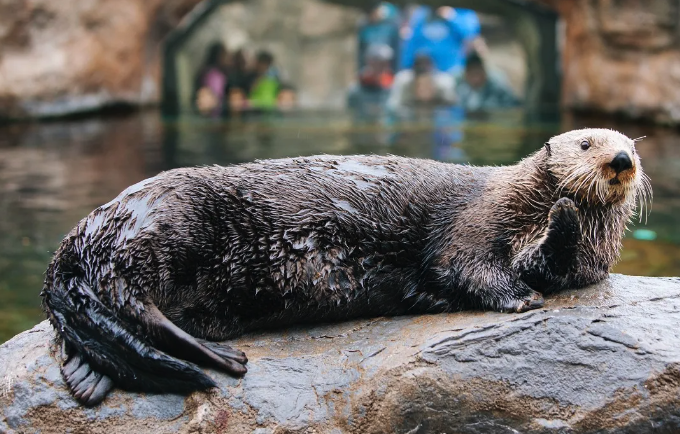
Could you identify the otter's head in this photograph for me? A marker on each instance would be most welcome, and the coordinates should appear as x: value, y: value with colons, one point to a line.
x: 597, y: 166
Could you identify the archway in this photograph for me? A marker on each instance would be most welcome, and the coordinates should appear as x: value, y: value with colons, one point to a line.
x: 534, y: 26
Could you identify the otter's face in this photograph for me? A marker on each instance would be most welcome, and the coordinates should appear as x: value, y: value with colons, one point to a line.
x: 597, y: 166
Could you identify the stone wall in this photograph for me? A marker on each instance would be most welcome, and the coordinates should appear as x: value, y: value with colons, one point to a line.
x: 59, y: 57
x: 622, y: 56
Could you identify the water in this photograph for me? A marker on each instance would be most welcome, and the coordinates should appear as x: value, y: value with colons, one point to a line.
x: 53, y: 174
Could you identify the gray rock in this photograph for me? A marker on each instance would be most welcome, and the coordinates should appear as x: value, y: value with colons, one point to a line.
x: 605, y: 359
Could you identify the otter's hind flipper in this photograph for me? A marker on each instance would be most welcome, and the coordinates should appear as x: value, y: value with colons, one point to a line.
x: 181, y: 344
x: 88, y: 386
x: 224, y: 350
x: 100, y: 348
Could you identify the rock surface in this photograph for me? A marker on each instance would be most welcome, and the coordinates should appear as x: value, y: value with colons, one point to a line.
x: 604, y: 359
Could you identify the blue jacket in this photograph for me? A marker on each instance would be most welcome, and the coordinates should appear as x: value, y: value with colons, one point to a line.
x: 443, y: 40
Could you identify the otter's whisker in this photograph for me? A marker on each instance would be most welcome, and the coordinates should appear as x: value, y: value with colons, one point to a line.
x: 641, y: 192
x: 572, y: 179
x: 601, y: 193
x: 602, y: 190
x: 589, y: 181
x: 565, y: 182
x: 645, y: 197
x: 578, y: 180
x: 640, y: 199
x: 595, y: 185
x: 648, y: 187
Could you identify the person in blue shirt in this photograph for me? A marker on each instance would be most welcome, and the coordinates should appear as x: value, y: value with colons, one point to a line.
x: 381, y: 28
x: 445, y: 34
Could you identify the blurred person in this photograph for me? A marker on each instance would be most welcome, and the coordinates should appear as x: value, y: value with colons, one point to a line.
x: 381, y: 28
x: 377, y: 73
x: 286, y: 99
x: 447, y: 34
x: 367, y: 97
x: 413, y: 14
x: 240, y: 76
x: 238, y: 100
x: 478, y: 45
x: 265, y: 81
x: 211, y: 82
x: 421, y: 87
x: 478, y: 90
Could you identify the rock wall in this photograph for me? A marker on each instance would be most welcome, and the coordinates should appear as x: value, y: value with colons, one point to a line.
x: 59, y: 57
x: 604, y: 359
x: 623, y: 57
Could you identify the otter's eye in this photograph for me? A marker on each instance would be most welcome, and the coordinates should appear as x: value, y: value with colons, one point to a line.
x: 585, y: 145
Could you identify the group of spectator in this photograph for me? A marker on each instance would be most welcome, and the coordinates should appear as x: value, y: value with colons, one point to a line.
x: 418, y: 57
x: 425, y: 58
x: 228, y: 84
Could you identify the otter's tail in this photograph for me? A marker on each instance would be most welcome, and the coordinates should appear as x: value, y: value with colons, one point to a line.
x: 101, y: 351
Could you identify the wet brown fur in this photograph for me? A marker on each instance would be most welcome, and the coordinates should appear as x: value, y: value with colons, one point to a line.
x: 211, y: 252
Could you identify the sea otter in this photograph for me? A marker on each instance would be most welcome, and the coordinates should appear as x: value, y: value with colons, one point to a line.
x: 141, y: 287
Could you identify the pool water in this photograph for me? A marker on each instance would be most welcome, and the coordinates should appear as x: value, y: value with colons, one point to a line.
x: 54, y: 173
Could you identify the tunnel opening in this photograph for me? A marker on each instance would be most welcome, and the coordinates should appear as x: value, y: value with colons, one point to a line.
x: 314, y: 43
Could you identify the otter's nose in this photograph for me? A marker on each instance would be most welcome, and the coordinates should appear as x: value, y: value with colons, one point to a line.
x: 621, y: 162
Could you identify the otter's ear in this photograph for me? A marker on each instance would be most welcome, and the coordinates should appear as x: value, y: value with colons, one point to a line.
x: 547, y: 147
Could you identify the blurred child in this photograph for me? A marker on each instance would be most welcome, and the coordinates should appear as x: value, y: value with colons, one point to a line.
x: 265, y: 83
x: 211, y: 82
x: 286, y: 99
x: 238, y: 100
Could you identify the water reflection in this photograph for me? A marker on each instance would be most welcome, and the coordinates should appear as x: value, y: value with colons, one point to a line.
x: 53, y: 174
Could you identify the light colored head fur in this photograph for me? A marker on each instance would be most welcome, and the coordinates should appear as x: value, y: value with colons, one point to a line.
x: 581, y: 162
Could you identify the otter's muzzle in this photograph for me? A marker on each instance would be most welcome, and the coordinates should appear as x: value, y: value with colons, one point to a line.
x: 621, y: 162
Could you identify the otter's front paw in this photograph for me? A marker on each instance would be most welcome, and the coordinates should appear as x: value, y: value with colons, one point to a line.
x: 563, y: 218
x: 533, y: 300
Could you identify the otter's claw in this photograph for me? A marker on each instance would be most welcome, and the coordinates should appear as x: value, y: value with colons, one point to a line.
x: 565, y: 203
x: 563, y: 207
x: 531, y: 301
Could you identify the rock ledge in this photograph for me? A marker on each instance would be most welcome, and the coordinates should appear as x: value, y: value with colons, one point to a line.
x: 603, y: 359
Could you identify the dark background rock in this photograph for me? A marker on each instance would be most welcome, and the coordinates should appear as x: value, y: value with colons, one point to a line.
x: 605, y: 359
